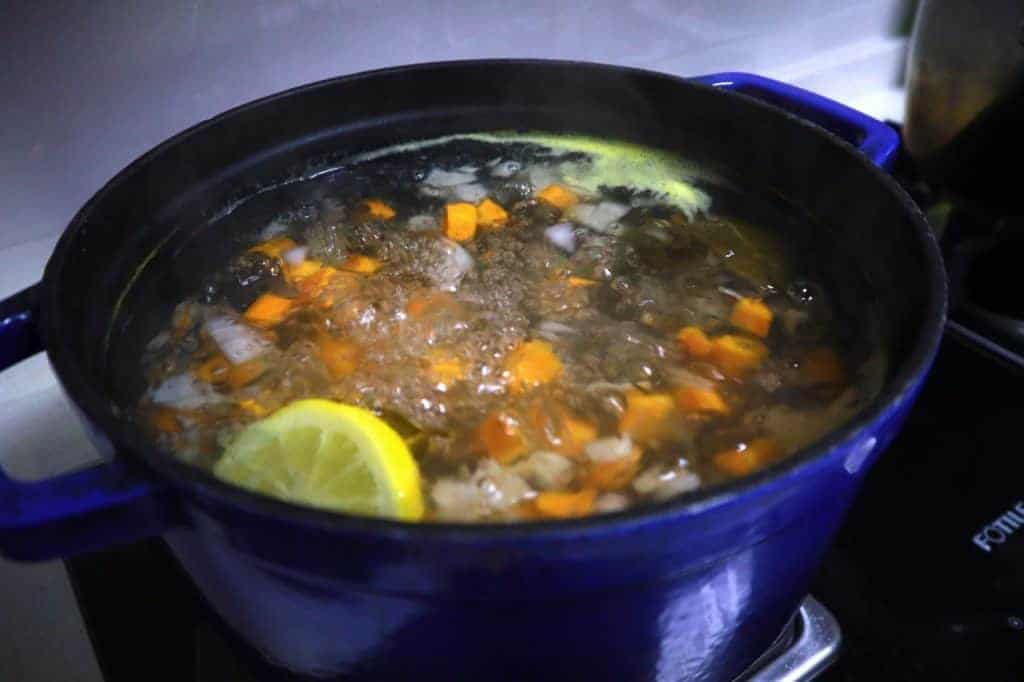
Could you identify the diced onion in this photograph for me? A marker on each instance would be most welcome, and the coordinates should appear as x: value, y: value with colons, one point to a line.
x: 238, y: 342
x: 295, y: 256
x: 274, y: 229
x: 611, y: 502
x: 473, y: 192
x: 609, y: 449
x: 546, y: 470
x: 600, y: 217
x: 185, y: 392
x: 442, y: 178
x: 561, y: 235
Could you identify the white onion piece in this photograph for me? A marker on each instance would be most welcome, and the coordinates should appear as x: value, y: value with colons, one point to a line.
x: 611, y: 502
x: 600, y: 217
x: 506, y: 169
x: 490, y: 488
x: 561, y: 235
x: 274, y: 229
x: 185, y: 392
x: 662, y: 484
x: 468, y: 169
x: 238, y: 342
x: 552, y: 330
x: 442, y: 178
x: 454, y: 266
x: 473, y: 192
x: 541, y: 177
x: 422, y: 223
x: 295, y: 256
x: 546, y: 470
x: 609, y: 449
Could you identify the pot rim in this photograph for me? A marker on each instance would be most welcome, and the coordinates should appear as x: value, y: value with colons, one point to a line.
x: 129, y: 441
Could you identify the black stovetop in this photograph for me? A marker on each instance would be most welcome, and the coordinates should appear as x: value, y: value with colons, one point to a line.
x: 926, y: 577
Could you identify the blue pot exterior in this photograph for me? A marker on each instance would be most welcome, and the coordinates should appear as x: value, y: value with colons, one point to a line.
x: 694, y: 594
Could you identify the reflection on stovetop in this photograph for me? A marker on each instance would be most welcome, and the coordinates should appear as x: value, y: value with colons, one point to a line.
x: 925, y: 578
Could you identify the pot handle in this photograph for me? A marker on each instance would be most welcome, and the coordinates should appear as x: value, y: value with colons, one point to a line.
x: 875, y: 139
x: 75, y: 512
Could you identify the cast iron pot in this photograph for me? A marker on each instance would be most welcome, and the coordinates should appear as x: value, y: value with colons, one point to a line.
x: 694, y: 588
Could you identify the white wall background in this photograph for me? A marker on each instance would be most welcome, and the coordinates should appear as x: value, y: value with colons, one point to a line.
x: 89, y: 86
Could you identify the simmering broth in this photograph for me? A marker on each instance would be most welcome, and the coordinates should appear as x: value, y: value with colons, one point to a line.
x: 554, y: 326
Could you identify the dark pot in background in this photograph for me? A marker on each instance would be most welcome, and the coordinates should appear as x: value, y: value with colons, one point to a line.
x: 694, y: 588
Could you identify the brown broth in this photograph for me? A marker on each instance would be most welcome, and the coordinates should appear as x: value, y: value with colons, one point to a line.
x: 542, y: 353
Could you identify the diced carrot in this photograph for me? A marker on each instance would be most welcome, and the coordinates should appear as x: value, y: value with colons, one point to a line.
x: 252, y: 407
x: 532, y: 364
x: 694, y: 341
x: 213, y: 371
x: 245, y: 373
x: 378, y: 209
x: 575, y: 434
x: 751, y: 315
x: 736, y: 355
x: 313, y: 284
x: 558, y: 196
x: 647, y: 415
x: 576, y: 282
x: 165, y: 419
x: 268, y: 310
x: 703, y: 400
x: 297, y: 273
x: 340, y: 358
x: 364, y: 265
x: 747, y: 458
x: 459, y: 222
x: 445, y: 367
x: 502, y: 437
x: 274, y: 247
x: 489, y: 213
x: 822, y: 367
x: 613, y: 474
x: 558, y: 505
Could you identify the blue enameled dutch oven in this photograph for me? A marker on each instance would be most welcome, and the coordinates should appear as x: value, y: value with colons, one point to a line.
x: 693, y: 588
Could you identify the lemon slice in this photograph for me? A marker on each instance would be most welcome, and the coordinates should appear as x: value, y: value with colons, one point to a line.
x: 325, y: 454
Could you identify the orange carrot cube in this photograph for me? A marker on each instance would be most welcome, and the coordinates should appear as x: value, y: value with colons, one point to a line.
x: 532, y: 364
x: 274, y: 247
x: 378, y: 209
x: 558, y: 196
x: 701, y: 400
x: 489, y: 213
x: 459, y: 222
x: 557, y: 505
x: 751, y: 315
x: 613, y: 474
x: 268, y: 310
x: 747, y: 458
x: 647, y: 415
x: 364, y: 265
x: 502, y: 437
x: 736, y: 355
x: 694, y: 341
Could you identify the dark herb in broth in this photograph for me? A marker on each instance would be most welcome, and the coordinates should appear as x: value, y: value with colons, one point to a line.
x: 556, y: 326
